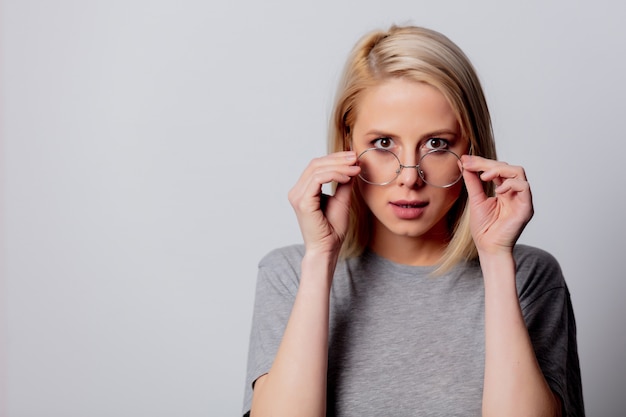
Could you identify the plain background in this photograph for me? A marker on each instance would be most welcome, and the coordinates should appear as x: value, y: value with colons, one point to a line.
x: 147, y: 148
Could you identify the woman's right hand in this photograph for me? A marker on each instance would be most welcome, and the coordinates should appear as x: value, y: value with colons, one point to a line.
x: 324, y: 224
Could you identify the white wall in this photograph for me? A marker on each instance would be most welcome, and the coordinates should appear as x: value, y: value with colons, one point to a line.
x: 147, y: 147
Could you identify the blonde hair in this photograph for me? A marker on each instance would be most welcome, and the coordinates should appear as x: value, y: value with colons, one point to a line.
x: 420, y: 55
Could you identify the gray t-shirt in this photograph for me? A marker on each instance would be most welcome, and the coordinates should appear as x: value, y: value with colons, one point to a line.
x: 404, y: 342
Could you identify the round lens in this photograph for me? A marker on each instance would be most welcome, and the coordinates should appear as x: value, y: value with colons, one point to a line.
x: 378, y: 166
x: 440, y: 168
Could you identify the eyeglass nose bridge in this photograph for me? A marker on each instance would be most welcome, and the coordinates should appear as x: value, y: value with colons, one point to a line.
x: 401, y: 166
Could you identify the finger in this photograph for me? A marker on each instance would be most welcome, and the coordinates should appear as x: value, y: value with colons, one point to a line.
x: 490, y: 170
x: 334, y: 159
x: 339, y: 203
x: 338, y: 167
x: 339, y: 174
x: 343, y: 193
x: 503, y: 172
x: 474, y: 185
x: 326, y: 173
x: 319, y: 168
x: 306, y: 193
x: 513, y: 185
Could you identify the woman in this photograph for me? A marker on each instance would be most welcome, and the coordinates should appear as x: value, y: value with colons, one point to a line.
x: 410, y: 295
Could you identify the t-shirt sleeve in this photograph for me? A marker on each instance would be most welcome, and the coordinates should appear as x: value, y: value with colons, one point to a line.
x: 547, y: 309
x: 276, y: 287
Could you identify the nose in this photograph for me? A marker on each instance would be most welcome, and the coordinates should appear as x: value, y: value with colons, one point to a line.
x: 409, y: 174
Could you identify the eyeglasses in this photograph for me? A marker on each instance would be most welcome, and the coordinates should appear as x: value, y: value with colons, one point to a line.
x: 438, y: 167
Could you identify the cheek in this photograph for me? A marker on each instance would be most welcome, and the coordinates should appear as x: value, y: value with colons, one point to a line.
x: 450, y: 196
x: 371, y: 194
x: 455, y: 191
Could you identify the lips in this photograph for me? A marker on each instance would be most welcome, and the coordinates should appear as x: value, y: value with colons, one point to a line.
x: 409, y: 204
x: 408, y: 210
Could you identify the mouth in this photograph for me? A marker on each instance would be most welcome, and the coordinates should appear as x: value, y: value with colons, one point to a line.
x: 409, y: 204
x: 408, y: 209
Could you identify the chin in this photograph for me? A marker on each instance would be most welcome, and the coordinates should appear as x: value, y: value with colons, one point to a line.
x: 414, y: 230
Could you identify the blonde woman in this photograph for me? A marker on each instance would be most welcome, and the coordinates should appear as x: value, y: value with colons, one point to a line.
x: 409, y: 295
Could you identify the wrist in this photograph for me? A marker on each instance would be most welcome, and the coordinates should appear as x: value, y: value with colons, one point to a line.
x: 318, y: 268
x: 318, y: 256
x: 497, y: 266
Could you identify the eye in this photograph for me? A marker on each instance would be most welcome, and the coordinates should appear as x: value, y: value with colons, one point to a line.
x: 382, y: 143
x: 437, y: 143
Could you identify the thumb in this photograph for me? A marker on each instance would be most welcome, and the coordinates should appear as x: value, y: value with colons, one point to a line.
x: 343, y: 193
x: 475, y: 192
x: 339, y: 205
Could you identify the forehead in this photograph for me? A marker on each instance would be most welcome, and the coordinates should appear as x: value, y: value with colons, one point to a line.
x: 403, y: 104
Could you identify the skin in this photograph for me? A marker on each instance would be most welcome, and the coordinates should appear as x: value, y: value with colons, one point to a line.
x: 410, y: 114
x: 409, y: 119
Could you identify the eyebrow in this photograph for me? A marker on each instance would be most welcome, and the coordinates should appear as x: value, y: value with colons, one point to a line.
x: 432, y: 134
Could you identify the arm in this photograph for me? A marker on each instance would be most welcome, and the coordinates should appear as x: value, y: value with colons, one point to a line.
x: 296, y: 382
x: 514, y: 384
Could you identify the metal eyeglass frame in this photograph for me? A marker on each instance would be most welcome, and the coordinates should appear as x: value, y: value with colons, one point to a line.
x: 417, y: 167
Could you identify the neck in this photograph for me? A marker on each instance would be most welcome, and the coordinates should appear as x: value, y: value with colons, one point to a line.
x: 420, y: 251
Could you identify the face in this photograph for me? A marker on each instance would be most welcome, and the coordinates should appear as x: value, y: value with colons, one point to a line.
x: 408, y: 118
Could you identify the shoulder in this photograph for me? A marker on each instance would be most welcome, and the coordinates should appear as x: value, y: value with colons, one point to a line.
x: 524, y: 253
x: 538, y: 273
x: 279, y: 270
x: 282, y: 257
x: 532, y: 260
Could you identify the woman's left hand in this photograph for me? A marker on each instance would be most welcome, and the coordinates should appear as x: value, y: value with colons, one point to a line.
x: 496, y: 222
